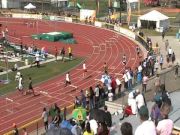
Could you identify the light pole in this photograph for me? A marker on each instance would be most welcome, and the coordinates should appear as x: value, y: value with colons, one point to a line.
x: 120, y: 2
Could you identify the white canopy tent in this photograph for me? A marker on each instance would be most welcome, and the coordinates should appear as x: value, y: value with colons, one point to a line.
x: 29, y: 6
x: 160, y: 21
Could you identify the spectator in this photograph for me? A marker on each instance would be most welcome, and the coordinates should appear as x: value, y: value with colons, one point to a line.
x: 163, y: 35
x: 76, y: 129
x: 118, y: 82
x: 45, y: 118
x: 156, y: 66
x: 126, y: 129
x: 155, y: 112
x: 132, y: 102
x: 77, y: 102
x: 83, y: 99
x: 176, y: 70
x: 144, y: 82
x: 139, y: 99
x: 165, y: 126
x: 94, y: 125
x: 166, y: 44
x: 170, y: 52
x: 25, y: 132
x: 108, y: 117
x: 113, y: 85
x: 88, y: 130
x: 147, y: 127
x: 91, y: 98
x: 130, y: 76
x: 161, y: 61
x: 173, y: 58
x: 125, y: 77
x: 15, y: 130
x: 57, y: 119
x: 97, y: 93
x: 157, y: 83
x: 102, y: 129
x: 110, y: 96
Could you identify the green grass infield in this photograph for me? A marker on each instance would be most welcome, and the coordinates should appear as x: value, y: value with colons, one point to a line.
x: 38, y: 75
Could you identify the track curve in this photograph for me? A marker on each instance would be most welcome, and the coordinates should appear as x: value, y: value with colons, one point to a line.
x: 95, y: 44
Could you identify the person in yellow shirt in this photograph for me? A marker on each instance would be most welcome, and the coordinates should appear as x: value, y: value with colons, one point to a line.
x: 88, y: 130
x: 70, y: 53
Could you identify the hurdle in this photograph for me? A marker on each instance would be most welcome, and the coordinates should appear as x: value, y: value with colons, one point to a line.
x: 10, y: 101
x: 73, y: 86
x: 46, y: 94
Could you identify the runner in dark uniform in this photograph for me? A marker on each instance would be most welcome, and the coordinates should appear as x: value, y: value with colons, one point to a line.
x: 31, y: 87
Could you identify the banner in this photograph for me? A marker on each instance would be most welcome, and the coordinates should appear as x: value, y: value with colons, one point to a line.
x: 86, y: 14
x: 68, y: 19
x: 27, y: 16
x: 98, y: 24
x: 125, y: 31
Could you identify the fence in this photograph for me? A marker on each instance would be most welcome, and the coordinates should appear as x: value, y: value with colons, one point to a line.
x: 36, y: 124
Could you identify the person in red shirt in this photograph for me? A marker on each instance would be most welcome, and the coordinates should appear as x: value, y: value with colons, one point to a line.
x: 113, y: 85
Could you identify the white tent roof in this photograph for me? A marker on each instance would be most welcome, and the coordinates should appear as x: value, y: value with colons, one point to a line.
x: 30, y: 6
x: 131, y: 1
x: 153, y: 16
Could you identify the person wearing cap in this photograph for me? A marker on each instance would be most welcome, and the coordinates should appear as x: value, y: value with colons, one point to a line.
x: 139, y: 99
x: 147, y: 127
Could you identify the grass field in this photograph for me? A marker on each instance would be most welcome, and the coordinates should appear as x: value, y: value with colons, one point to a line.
x: 45, y: 72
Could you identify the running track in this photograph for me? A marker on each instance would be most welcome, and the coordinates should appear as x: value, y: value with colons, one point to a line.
x: 96, y: 45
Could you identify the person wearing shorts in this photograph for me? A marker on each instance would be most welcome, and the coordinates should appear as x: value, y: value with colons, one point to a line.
x: 70, y: 53
x: 105, y: 66
x: 45, y: 118
x: 124, y: 59
x: 84, y: 70
x: 20, y: 84
x: 31, y: 87
x: 67, y: 79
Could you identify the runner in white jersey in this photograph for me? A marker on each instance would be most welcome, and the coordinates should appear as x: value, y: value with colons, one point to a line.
x: 67, y: 79
x: 84, y: 70
x: 20, y: 84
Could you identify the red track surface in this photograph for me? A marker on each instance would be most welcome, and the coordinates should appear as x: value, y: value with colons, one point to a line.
x: 92, y: 43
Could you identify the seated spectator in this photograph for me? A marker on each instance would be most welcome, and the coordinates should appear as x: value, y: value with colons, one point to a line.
x: 126, y: 128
